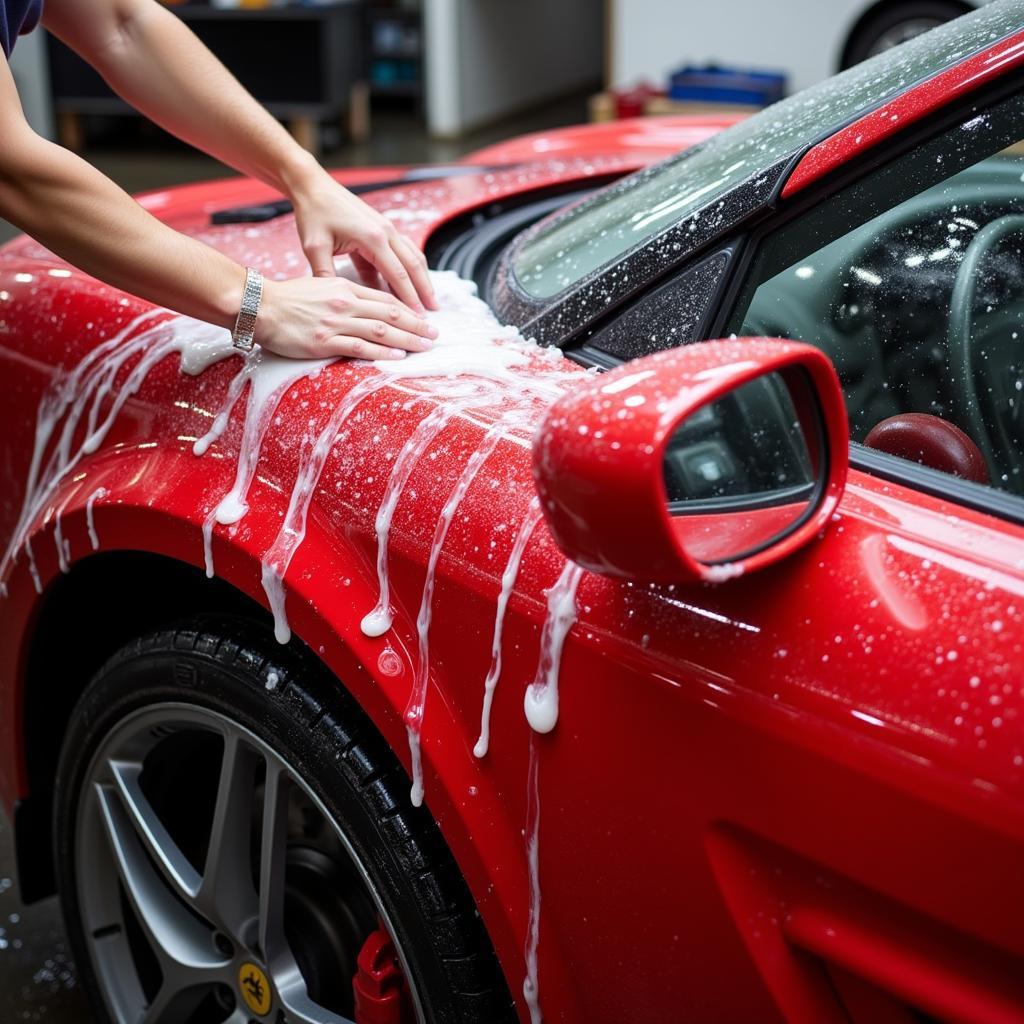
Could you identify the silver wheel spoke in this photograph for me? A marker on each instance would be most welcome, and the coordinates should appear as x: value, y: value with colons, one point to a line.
x: 273, y: 851
x: 300, y: 1009
x: 226, y: 893
x: 176, y: 869
x: 180, y: 942
x: 156, y: 919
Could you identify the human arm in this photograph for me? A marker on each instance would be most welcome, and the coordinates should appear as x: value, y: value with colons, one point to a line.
x: 81, y: 215
x: 155, y: 62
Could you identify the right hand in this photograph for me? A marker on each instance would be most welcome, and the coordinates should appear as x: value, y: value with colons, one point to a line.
x: 326, y: 317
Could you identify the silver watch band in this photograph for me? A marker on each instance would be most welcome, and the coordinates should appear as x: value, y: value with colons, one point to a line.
x: 245, y: 324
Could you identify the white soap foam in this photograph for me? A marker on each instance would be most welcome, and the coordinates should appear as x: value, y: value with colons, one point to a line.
x: 541, y: 698
x: 90, y: 522
x: 531, y: 986
x: 72, y: 407
x: 508, y: 581
x: 378, y: 621
x: 417, y: 699
x: 471, y: 346
x: 311, y: 464
x: 62, y: 544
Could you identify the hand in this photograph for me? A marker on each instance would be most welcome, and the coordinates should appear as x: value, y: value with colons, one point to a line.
x: 321, y: 318
x: 332, y: 221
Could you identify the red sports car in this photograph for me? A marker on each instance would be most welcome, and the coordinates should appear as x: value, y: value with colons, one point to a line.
x: 580, y: 668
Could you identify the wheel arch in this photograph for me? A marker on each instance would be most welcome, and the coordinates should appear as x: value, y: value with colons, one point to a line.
x: 82, y: 618
x: 146, y: 575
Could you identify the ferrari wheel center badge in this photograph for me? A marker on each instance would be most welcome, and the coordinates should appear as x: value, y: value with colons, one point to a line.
x: 255, y: 988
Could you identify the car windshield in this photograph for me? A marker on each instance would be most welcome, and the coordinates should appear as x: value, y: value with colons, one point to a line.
x: 687, y: 186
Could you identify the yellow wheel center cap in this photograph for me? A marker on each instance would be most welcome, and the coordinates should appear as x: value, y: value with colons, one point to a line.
x: 255, y: 988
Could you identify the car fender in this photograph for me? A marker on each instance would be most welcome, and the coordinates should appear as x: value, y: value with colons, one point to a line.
x: 166, y: 520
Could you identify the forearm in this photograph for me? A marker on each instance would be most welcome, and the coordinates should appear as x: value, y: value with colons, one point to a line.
x: 156, y: 63
x: 86, y: 219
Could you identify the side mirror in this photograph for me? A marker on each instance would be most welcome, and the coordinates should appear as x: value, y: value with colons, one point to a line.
x: 700, y: 463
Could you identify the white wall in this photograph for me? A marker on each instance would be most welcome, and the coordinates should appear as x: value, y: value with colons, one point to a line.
x: 490, y: 58
x: 651, y: 38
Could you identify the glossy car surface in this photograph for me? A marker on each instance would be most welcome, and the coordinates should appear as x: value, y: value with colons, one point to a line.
x: 796, y: 794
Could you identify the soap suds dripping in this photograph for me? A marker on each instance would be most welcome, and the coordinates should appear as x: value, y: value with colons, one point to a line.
x: 471, y: 343
x: 508, y: 581
x: 313, y: 459
x: 531, y: 988
x: 74, y: 401
x: 378, y: 621
x: 417, y: 698
x: 90, y: 522
x: 541, y: 699
x: 62, y: 544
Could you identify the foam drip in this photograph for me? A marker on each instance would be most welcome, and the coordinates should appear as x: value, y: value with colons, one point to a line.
x: 378, y: 621
x: 417, y: 699
x: 474, y: 362
x: 90, y: 522
x: 70, y: 409
x: 508, y: 581
x: 541, y: 698
x: 312, y: 461
x: 62, y: 544
x: 531, y: 988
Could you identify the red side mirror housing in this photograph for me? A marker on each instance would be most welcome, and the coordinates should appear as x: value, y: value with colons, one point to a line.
x: 700, y: 463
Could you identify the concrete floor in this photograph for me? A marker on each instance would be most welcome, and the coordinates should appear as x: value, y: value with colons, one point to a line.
x: 37, y: 977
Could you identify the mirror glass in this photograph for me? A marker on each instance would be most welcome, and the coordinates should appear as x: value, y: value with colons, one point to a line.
x: 745, y: 470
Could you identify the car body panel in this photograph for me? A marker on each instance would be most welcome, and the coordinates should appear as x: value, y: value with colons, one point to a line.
x: 646, y: 138
x: 728, y: 758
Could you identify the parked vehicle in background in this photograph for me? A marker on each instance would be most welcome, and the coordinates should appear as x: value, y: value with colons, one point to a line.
x: 809, y: 41
x: 666, y: 666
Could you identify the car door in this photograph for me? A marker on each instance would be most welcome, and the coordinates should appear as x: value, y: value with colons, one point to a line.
x: 804, y: 787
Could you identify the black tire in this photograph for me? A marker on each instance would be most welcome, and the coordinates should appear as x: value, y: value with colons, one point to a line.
x: 870, y: 32
x: 222, y: 666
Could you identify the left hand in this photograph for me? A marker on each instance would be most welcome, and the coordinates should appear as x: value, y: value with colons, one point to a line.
x: 332, y: 221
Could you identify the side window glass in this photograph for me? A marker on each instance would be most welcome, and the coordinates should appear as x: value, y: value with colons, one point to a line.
x: 917, y: 296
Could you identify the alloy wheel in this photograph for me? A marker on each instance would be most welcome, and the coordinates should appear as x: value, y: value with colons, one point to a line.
x: 215, y: 887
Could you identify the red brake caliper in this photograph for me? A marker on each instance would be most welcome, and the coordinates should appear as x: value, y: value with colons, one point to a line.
x: 381, y: 993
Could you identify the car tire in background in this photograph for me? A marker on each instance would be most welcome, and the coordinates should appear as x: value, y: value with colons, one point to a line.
x: 896, y: 24
x: 212, y: 726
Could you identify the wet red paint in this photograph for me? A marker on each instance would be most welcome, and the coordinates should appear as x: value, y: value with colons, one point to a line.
x: 729, y: 761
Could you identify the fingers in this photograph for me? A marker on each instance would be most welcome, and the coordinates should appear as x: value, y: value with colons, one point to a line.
x: 321, y: 258
x: 360, y: 348
x: 391, y: 312
x: 391, y: 268
x: 416, y: 264
x: 381, y: 333
x: 367, y: 271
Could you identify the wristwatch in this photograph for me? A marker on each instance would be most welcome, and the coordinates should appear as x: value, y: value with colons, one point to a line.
x: 245, y: 323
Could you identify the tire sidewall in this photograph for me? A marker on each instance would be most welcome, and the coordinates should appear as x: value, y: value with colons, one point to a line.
x: 299, y: 721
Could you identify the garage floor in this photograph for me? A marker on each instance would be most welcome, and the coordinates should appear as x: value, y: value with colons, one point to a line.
x: 37, y: 977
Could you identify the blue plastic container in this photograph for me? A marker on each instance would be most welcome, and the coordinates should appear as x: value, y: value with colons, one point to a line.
x: 727, y: 85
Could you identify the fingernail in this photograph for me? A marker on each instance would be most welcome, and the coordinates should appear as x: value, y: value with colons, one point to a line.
x: 397, y: 353
x: 426, y: 343
x: 432, y: 331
